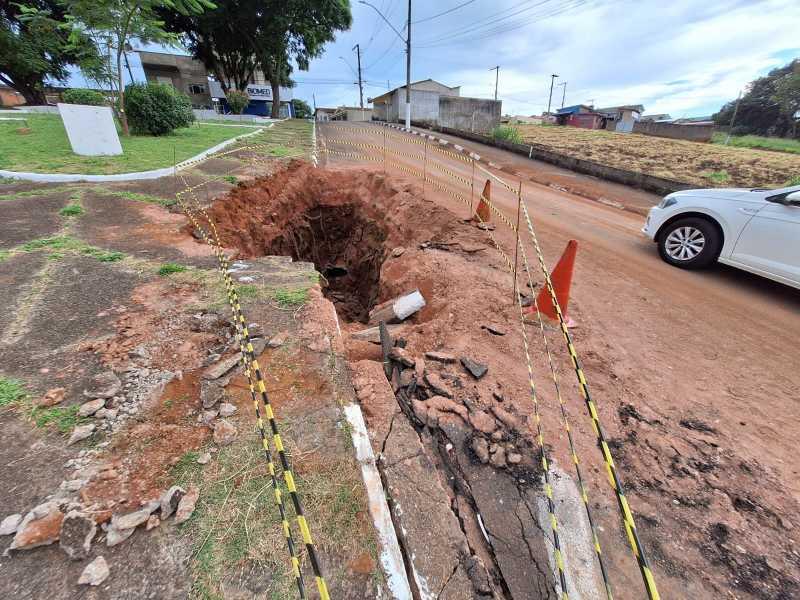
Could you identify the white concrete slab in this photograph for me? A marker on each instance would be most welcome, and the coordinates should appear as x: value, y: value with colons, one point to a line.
x: 90, y: 129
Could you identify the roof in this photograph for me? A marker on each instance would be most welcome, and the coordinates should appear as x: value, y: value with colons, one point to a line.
x: 568, y: 110
x: 635, y: 107
x: 413, y: 83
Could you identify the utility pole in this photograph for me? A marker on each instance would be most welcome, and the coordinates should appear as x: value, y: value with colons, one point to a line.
x: 564, y: 93
x: 496, y: 79
x: 550, y: 99
x: 408, y: 68
x: 357, y: 48
x: 408, y: 54
x: 733, y: 118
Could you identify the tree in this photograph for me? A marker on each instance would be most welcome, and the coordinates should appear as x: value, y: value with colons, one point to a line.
x: 237, y: 100
x: 119, y: 21
x: 36, y: 45
x: 298, y: 32
x: 787, y: 96
x: 241, y: 36
x: 765, y: 108
x: 301, y: 109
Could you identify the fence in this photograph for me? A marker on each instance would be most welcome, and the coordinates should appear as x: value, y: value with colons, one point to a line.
x: 418, y: 161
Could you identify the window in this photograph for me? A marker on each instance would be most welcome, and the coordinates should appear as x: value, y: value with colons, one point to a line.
x: 197, y: 88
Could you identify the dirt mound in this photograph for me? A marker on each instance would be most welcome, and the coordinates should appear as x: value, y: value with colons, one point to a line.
x: 345, y: 222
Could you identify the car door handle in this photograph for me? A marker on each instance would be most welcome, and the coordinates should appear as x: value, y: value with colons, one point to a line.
x: 748, y: 211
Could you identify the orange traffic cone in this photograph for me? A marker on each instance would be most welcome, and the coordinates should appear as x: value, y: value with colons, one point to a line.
x: 483, y: 214
x: 562, y: 280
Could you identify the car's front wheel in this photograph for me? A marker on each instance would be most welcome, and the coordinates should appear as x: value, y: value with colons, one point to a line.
x: 689, y: 243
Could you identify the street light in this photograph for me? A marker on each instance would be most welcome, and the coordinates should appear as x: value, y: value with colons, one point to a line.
x: 408, y: 53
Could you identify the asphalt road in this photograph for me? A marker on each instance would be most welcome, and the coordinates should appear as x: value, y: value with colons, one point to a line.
x: 718, y: 345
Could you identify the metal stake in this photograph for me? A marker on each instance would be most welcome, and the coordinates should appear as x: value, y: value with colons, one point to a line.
x: 425, y: 168
x: 472, y: 188
x: 516, y: 246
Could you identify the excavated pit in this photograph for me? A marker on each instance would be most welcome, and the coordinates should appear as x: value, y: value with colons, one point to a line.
x: 345, y: 223
x: 347, y: 249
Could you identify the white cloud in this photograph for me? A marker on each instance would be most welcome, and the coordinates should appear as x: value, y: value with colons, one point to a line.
x: 680, y: 57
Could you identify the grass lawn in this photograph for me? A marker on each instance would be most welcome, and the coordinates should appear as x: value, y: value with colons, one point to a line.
x: 758, y: 141
x: 46, y: 149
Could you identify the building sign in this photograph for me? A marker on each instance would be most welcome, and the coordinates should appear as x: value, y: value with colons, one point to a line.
x: 259, y: 92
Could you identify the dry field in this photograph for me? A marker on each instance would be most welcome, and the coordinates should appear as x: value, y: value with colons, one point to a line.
x: 704, y: 165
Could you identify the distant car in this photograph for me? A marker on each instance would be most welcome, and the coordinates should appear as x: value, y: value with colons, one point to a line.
x: 757, y: 230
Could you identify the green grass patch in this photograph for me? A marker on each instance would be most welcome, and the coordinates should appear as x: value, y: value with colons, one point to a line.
x: 248, y: 290
x: 71, y: 210
x: 290, y: 298
x: 4, y: 255
x: 47, y: 150
x: 8, y: 180
x: 136, y: 196
x: 11, y: 391
x: 793, y: 181
x: 718, y: 177
x: 759, y: 142
x: 507, y: 133
x: 64, y: 418
x: 59, y: 242
x: 231, y: 179
x: 103, y: 255
x: 170, y: 268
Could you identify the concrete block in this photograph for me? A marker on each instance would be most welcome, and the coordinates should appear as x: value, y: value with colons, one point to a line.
x: 90, y: 129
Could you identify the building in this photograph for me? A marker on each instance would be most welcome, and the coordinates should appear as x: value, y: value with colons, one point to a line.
x: 434, y: 104
x: 190, y: 76
x: 581, y: 115
x: 343, y: 113
x: 656, y: 118
x: 10, y: 97
x: 184, y: 73
x: 622, y: 118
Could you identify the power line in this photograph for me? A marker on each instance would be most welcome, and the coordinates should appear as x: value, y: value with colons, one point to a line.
x: 504, y: 27
x: 446, y: 12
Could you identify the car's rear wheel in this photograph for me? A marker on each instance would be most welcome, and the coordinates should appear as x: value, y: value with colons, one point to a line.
x: 689, y: 243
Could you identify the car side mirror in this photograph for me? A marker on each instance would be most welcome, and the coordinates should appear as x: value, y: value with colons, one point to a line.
x: 793, y: 198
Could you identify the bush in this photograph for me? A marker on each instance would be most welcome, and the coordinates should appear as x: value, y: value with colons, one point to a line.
x: 507, y: 133
x: 237, y: 100
x: 156, y: 108
x: 84, y: 96
x: 301, y: 109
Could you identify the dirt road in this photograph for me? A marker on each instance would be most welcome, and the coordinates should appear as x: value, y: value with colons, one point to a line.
x: 695, y: 374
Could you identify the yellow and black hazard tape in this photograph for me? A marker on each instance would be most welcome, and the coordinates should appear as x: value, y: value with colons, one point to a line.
x: 250, y: 361
x: 565, y: 422
x: 557, y: 551
x: 243, y: 338
x: 352, y: 155
x: 613, y: 476
x: 452, y: 174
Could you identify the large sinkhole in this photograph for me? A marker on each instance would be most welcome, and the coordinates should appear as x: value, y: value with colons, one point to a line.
x: 346, y: 247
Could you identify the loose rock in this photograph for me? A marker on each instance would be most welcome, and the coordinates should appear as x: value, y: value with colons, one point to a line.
x: 87, y: 409
x: 224, y: 433
x: 211, y: 392
x: 498, y: 459
x: 95, y: 573
x: 81, y: 432
x: 514, y: 458
x: 40, y: 527
x: 186, y: 505
x: 402, y: 356
x: 438, y: 385
x: 398, y: 252
x: 493, y: 329
x: 115, y: 536
x: 221, y: 367
x: 481, y: 449
x: 104, y: 385
x: 51, y: 398
x: 483, y: 422
x: 152, y: 522
x: 476, y: 369
x: 278, y: 339
x: 77, y: 532
x: 226, y: 409
x: 10, y: 524
x: 131, y: 520
x: 204, y: 458
x: 170, y: 500
x: 441, y: 357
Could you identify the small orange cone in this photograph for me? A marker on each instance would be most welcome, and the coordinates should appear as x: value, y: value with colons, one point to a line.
x: 562, y: 280
x: 483, y: 214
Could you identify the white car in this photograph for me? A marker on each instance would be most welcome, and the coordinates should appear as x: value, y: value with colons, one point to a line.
x: 756, y: 230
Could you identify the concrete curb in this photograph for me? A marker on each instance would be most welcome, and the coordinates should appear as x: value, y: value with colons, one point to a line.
x: 135, y: 176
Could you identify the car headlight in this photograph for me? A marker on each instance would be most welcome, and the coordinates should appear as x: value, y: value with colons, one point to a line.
x: 667, y: 202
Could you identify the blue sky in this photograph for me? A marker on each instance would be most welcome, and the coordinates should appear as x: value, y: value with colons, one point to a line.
x: 681, y: 57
